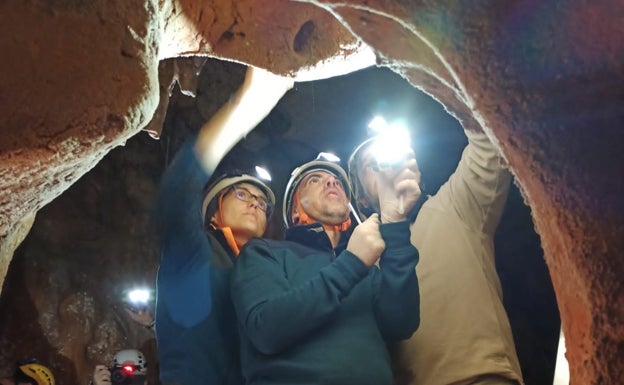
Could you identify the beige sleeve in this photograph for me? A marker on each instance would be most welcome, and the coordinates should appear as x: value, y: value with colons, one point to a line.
x: 478, y: 189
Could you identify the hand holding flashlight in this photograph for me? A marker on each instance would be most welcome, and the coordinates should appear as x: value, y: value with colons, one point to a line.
x: 396, y: 170
x: 398, y: 189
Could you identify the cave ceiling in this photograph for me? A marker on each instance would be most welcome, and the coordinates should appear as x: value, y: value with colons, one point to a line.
x: 543, y: 79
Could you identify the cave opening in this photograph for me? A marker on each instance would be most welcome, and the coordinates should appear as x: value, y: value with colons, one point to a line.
x: 92, y: 242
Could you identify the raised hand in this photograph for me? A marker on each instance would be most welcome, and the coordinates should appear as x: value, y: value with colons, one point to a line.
x: 252, y: 102
x: 268, y: 85
x: 398, y: 189
x: 366, y: 242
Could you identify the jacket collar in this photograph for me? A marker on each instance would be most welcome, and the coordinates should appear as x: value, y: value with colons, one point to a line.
x: 314, y: 235
x: 222, y: 255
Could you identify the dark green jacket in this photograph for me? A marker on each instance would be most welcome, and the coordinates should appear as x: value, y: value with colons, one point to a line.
x: 310, y: 314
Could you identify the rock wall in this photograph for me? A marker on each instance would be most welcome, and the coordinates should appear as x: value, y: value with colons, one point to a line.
x: 544, y: 80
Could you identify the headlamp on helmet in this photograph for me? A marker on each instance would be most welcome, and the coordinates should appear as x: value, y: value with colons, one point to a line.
x: 128, y: 367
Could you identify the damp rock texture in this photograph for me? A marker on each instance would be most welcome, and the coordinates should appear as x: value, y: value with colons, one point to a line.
x: 544, y: 79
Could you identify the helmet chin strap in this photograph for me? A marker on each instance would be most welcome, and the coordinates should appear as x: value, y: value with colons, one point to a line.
x: 305, y: 219
x: 229, y: 238
x: 216, y: 223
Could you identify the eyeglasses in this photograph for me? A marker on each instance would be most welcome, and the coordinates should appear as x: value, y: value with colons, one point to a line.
x: 242, y: 194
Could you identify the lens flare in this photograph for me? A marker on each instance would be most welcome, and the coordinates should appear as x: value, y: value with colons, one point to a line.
x: 263, y: 173
x: 391, y: 144
x: 139, y: 296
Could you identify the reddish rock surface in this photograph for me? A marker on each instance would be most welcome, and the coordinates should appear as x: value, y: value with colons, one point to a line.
x: 544, y: 79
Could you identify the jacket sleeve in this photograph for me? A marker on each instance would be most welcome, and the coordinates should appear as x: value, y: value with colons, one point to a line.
x: 183, y: 276
x: 275, y: 315
x: 397, y: 299
x: 478, y: 188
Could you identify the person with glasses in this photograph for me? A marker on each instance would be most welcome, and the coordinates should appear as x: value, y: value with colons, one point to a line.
x: 314, y: 308
x: 202, y: 231
x: 243, y: 194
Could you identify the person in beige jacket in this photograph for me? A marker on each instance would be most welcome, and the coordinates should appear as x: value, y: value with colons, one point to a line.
x: 464, y: 335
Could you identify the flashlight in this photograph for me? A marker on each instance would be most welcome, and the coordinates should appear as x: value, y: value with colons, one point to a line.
x: 392, y: 142
x: 391, y: 145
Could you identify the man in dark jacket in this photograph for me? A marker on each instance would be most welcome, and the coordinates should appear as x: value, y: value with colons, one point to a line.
x: 314, y: 309
x: 196, y: 330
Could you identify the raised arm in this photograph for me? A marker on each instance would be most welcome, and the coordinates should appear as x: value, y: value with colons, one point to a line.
x: 180, y: 196
x: 478, y: 188
x: 260, y: 92
x: 184, y: 268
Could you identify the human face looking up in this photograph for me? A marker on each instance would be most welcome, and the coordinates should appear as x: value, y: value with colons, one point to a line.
x: 241, y: 193
x: 244, y: 217
x: 366, y: 175
x: 323, y: 198
x: 368, y: 172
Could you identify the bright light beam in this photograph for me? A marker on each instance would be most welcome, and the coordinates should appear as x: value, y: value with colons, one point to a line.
x: 263, y: 173
x: 390, y: 147
x: 378, y: 124
x: 139, y: 296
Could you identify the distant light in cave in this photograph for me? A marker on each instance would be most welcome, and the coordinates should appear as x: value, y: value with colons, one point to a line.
x: 139, y: 296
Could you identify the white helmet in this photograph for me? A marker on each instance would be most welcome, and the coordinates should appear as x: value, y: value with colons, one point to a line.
x: 131, y: 358
x: 230, y: 179
x: 300, y: 172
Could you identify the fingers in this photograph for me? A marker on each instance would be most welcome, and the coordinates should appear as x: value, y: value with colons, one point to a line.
x: 407, y: 187
x: 398, y: 190
x: 366, y: 242
x: 408, y: 169
x: 374, y: 218
x: 403, y: 179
